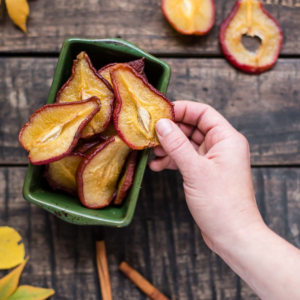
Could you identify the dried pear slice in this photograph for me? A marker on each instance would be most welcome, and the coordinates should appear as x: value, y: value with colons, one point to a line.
x: 61, y: 174
x: 138, y: 107
x: 126, y: 179
x: 190, y: 16
x: 84, y: 83
x: 138, y: 65
x: 249, y: 17
x: 98, y: 173
x: 54, y: 130
x: 108, y: 132
x: 88, y: 144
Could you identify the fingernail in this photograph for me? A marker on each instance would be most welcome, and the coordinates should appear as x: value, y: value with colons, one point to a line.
x: 163, y: 127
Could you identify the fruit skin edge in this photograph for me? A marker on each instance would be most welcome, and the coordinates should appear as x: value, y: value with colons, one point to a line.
x: 75, y: 62
x: 119, y: 106
x: 120, y: 196
x: 76, y: 136
x: 130, y: 63
x: 80, y: 170
x: 53, y: 184
x: 230, y: 58
x: 195, y: 32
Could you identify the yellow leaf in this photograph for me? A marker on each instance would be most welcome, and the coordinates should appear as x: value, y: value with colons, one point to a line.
x: 18, y: 11
x: 9, y: 283
x: 12, y: 251
x: 27, y: 292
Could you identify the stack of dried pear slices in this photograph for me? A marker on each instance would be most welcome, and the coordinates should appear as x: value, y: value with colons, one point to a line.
x: 87, y: 140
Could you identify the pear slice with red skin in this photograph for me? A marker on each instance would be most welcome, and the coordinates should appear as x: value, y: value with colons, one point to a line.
x: 61, y: 174
x: 85, y: 82
x: 138, y: 107
x: 108, y: 132
x: 191, y: 17
x: 87, y: 144
x: 138, y: 65
x: 249, y: 17
x: 54, y: 130
x: 126, y: 178
x: 98, y: 173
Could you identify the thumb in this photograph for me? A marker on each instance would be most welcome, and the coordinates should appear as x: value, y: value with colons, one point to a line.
x: 176, y: 145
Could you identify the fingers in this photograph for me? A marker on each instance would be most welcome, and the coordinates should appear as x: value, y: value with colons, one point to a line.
x: 201, y: 115
x: 162, y: 163
x: 176, y: 145
x: 159, y: 151
x: 197, y: 136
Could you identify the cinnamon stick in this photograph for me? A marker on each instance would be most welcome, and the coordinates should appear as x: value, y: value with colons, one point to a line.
x: 103, y: 271
x: 141, y: 282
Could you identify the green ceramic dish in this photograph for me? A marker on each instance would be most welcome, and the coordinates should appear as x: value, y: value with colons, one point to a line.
x: 68, y: 208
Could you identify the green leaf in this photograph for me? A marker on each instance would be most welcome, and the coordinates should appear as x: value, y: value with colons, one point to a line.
x: 9, y: 283
x: 27, y: 292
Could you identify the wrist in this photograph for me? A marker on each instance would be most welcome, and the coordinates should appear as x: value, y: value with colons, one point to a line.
x: 243, y: 238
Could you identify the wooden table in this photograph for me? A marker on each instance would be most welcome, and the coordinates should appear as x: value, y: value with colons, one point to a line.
x: 162, y: 243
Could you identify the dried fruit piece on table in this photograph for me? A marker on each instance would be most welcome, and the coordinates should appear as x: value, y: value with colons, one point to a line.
x: 18, y: 11
x: 61, y: 174
x: 84, y: 83
x: 108, y: 132
x: 190, y: 16
x: 27, y: 292
x: 53, y: 131
x: 138, y: 65
x: 98, y: 173
x: 9, y: 283
x: 138, y: 107
x: 12, y: 251
x: 249, y: 17
x: 126, y: 178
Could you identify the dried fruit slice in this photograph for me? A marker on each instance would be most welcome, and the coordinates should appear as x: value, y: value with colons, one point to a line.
x: 85, y: 82
x: 61, y: 174
x: 126, y: 179
x: 190, y: 16
x: 139, y: 106
x: 249, y: 17
x: 53, y: 131
x: 88, y: 144
x: 138, y: 65
x: 108, y: 132
x: 98, y: 173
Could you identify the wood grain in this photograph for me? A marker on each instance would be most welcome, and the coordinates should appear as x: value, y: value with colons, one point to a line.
x: 264, y: 108
x: 162, y: 243
x: 140, y: 22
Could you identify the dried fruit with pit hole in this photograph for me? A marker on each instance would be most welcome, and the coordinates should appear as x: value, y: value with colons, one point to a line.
x: 61, y: 174
x: 54, y: 130
x: 138, y: 107
x: 98, y: 173
x: 84, y: 83
x: 249, y: 17
x: 190, y: 16
x: 126, y: 179
x: 138, y: 65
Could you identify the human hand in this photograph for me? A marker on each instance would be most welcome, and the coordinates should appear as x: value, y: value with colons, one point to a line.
x: 214, y: 160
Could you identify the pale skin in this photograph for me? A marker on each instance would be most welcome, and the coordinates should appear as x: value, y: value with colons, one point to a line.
x: 214, y: 160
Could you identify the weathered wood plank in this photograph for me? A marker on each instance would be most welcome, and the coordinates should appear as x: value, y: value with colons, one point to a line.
x: 140, y: 22
x: 163, y: 242
x: 265, y: 108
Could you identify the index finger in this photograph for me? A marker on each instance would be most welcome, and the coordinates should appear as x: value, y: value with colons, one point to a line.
x: 201, y: 115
